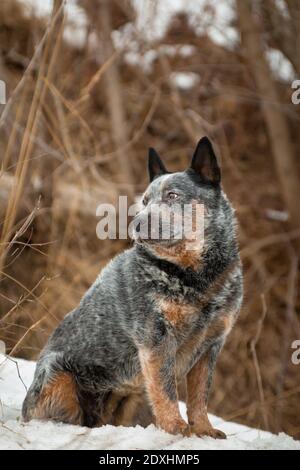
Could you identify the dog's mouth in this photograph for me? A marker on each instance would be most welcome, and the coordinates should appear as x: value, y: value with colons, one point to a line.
x: 157, y: 241
x: 156, y: 238
x: 165, y: 231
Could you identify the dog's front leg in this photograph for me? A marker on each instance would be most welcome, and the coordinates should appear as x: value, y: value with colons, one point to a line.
x: 198, y: 384
x: 158, y: 368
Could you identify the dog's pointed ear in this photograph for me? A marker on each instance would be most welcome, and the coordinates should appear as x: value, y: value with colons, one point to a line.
x: 155, y: 165
x: 205, y: 162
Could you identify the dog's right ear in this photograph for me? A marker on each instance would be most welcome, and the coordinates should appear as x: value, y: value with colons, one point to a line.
x: 155, y: 165
x: 205, y: 162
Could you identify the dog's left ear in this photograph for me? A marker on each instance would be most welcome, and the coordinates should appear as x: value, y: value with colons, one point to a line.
x: 205, y: 162
x: 156, y: 166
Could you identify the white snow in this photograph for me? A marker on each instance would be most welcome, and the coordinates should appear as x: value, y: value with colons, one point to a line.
x: 212, y: 17
x: 76, y: 20
x: 14, y: 434
x: 184, y: 80
x: 281, y: 67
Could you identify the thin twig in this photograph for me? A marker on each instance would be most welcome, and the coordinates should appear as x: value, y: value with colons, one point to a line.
x: 18, y: 370
x: 256, y: 363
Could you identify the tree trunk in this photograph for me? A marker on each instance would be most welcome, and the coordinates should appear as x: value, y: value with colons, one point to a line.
x: 114, y: 98
x: 277, y: 125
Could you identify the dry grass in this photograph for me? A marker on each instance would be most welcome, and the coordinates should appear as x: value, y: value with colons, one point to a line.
x: 59, y: 160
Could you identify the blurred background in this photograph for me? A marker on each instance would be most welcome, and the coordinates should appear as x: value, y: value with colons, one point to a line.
x: 90, y: 85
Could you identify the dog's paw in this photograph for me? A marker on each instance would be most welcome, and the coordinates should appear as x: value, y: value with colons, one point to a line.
x: 179, y: 427
x: 211, y: 432
x: 185, y: 431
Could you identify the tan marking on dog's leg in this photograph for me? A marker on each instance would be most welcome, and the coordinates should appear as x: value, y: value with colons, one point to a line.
x: 166, y: 411
x: 127, y: 410
x: 197, y: 380
x: 58, y: 400
x: 220, y: 327
x: 111, y: 405
x: 182, y: 389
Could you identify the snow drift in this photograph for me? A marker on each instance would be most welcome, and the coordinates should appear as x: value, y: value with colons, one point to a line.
x: 16, y: 375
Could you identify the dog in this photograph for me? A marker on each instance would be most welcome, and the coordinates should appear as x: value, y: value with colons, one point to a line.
x: 156, y: 317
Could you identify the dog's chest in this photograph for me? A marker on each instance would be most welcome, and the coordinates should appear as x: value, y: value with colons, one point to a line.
x: 195, y: 344
x: 180, y: 313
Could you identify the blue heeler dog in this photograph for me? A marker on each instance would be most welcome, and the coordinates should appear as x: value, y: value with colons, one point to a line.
x: 156, y: 317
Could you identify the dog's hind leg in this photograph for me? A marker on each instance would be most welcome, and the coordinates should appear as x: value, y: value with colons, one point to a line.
x: 125, y: 414
x: 57, y: 399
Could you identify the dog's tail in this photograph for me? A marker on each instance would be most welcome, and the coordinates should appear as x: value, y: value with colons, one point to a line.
x: 45, y: 370
x: 32, y: 397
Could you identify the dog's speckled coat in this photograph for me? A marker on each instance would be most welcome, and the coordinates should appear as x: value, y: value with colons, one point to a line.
x: 156, y: 316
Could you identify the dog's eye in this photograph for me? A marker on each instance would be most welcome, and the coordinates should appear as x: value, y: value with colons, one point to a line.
x: 145, y: 200
x: 172, y: 195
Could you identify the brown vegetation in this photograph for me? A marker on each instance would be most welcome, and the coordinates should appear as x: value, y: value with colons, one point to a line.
x: 76, y: 132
